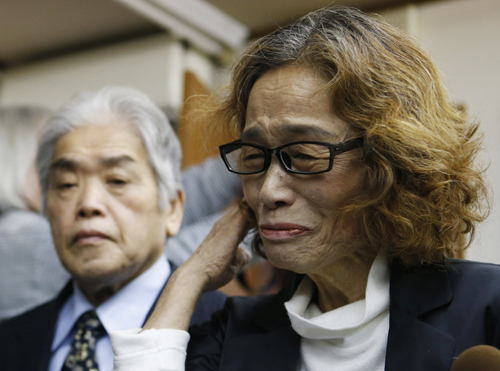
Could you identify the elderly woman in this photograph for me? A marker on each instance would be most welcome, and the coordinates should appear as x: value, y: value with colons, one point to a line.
x: 358, y: 174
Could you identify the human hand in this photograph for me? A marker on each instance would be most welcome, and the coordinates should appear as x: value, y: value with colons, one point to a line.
x: 218, y: 259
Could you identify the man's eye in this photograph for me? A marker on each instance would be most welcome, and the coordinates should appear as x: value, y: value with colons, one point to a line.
x: 117, y: 182
x: 66, y: 185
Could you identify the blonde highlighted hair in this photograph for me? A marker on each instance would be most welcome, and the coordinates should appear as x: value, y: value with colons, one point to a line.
x: 423, y: 194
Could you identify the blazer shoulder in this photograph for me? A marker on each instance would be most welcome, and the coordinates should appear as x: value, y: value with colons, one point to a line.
x: 27, y: 319
x: 29, y: 333
x: 40, y: 318
x: 467, y: 273
x: 478, y: 280
x: 474, y: 266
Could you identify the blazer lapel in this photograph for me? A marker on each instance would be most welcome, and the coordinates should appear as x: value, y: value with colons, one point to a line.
x: 271, y: 343
x: 278, y: 349
x: 37, y: 334
x: 413, y: 344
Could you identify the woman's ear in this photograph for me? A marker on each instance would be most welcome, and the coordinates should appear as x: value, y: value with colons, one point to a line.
x: 173, y: 215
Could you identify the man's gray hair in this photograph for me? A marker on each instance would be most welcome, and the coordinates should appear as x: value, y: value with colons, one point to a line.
x: 19, y: 127
x: 133, y: 107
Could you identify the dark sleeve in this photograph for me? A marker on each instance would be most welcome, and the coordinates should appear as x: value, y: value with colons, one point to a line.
x: 492, y: 321
x: 205, y: 346
x: 209, y: 303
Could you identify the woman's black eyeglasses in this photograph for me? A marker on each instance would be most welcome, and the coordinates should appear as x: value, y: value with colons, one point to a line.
x: 298, y: 157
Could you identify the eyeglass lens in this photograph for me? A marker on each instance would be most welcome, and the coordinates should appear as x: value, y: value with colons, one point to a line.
x: 301, y: 157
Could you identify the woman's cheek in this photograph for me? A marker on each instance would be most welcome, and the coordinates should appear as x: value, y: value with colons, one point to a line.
x: 251, y: 194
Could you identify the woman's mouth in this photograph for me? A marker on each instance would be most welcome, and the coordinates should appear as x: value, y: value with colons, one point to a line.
x: 282, y: 231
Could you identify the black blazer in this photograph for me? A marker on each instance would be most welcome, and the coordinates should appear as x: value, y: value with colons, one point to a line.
x: 25, y: 341
x: 435, y: 314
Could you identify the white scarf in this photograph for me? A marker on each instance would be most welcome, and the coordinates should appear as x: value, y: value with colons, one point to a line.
x: 349, y: 338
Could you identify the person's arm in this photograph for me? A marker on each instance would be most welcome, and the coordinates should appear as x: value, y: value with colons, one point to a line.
x: 161, y: 345
x: 212, y: 265
x: 181, y: 246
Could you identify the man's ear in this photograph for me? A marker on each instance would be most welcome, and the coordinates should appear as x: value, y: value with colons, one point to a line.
x: 173, y: 216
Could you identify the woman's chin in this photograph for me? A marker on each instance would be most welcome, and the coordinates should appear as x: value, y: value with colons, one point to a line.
x: 283, y: 259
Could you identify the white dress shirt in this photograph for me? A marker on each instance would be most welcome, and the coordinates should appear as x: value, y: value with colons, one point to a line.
x: 126, y: 309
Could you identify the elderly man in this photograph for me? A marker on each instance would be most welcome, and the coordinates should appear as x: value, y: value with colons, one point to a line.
x: 109, y: 166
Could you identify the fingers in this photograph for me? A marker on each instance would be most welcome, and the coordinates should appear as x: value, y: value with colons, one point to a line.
x: 218, y: 259
x: 234, y: 223
x: 241, y: 258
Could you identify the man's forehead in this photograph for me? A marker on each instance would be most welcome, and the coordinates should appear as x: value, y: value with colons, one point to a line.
x: 110, y: 145
x: 74, y: 163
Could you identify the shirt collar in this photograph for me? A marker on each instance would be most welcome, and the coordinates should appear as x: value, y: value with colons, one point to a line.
x: 308, y: 321
x: 128, y: 308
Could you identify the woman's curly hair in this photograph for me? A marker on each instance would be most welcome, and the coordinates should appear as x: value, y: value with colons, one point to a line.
x: 423, y: 193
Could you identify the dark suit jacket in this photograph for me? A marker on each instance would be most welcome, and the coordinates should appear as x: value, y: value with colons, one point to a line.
x: 435, y: 314
x: 25, y: 341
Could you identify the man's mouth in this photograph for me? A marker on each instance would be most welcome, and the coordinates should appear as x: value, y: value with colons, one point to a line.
x: 89, y: 237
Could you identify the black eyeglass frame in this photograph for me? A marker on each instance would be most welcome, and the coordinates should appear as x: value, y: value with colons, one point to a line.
x: 335, y: 149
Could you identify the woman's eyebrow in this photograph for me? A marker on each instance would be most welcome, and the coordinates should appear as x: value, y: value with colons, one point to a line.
x: 289, y: 131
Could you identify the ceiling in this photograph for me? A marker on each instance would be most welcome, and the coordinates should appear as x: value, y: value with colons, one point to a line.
x: 33, y: 29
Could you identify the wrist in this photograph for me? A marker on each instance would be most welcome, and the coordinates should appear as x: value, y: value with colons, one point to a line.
x: 177, y: 301
x: 192, y: 276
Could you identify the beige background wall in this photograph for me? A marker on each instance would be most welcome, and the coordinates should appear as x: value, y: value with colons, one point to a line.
x: 463, y: 37
x: 154, y: 65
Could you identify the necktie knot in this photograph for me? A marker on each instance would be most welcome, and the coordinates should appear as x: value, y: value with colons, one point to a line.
x: 89, y: 322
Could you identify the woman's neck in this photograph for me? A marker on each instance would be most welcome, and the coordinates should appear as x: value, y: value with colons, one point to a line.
x: 342, y: 282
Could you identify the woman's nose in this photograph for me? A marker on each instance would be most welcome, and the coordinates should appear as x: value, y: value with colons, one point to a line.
x: 275, y: 190
x: 91, y: 200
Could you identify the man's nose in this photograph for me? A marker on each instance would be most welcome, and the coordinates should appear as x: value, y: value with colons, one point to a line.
x: 92, y: 200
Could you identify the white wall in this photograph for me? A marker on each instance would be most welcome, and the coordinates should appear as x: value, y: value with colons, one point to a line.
x: 463, y: 37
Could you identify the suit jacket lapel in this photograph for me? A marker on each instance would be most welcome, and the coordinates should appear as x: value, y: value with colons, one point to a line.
x: 272, y: 344
x: 36, y: 335
x: 414, y: 345
x: 278, y: 349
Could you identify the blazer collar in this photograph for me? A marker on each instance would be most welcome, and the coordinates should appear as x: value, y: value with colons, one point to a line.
x: 44, y: 325
x: 274, y: 314
x: 418, y: 291
x: 413, y: 291
x: 414, y: 344
x: 38, y: 330
x: 269, y: 343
